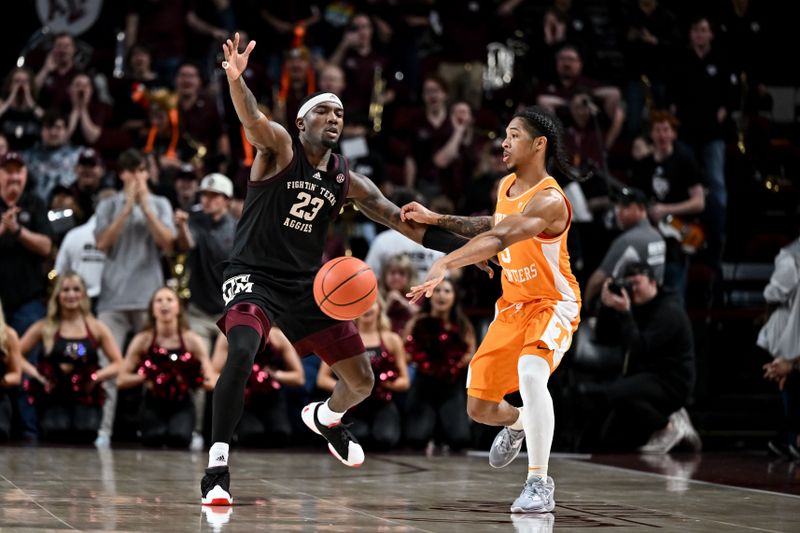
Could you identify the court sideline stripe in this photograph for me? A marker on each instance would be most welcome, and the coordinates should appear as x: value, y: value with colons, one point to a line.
x: 393, y: 522
x: 46, y: 510
x: 690, y: 480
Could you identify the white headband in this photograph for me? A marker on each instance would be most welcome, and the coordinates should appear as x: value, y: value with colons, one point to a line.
x: 319, y: 99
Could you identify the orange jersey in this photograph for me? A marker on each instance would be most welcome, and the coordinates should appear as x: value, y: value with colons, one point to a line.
x: 536, y: 268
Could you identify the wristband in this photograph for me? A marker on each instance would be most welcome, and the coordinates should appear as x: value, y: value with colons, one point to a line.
x: 441, y: 240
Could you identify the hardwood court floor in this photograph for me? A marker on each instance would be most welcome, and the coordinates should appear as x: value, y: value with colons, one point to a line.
x: 57, y: 489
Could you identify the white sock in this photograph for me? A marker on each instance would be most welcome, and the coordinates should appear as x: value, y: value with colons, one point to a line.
x: 517, y: 426
x: 326, y: 416
x: 218, y: 454
x: 538, y: 418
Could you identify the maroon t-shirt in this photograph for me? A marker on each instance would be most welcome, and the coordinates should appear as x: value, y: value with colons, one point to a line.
x: 360, y: 74
x: 54, y: 93
x: 557, y: 88
x: 162, y: 25
x: 202, y: 123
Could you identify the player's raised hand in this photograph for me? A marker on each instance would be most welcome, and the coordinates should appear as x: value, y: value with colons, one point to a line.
x: 235, y: 62
x: 418, y: 213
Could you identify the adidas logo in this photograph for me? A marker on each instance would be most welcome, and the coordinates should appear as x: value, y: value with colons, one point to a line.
x: 220, y: 458
x: 316, y: 175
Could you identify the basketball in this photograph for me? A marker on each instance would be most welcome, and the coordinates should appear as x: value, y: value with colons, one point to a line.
x: 345, y: 287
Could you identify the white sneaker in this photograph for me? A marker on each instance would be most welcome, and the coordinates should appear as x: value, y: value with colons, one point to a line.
x: 197, y: 442
x: 103, y: 440
x: 341, y: 443
x: 537, y: 496
x: 506, y: 447
x: 691, y: 436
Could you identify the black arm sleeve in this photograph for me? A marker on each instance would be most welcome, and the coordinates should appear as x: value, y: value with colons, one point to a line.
x: 441, y: 240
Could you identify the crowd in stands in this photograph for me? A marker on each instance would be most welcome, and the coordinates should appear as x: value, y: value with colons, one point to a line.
x: 121, y: 184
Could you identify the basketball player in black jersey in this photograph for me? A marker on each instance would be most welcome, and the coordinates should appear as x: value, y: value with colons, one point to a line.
x: 296, y: 189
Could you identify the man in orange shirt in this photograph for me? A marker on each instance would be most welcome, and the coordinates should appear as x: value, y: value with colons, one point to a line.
x: 540, y: 306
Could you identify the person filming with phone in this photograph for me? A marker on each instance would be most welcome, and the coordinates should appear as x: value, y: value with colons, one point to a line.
x: 644, y: 406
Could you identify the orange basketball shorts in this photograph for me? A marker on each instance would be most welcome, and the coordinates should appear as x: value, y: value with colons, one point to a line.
x: 541, y: 327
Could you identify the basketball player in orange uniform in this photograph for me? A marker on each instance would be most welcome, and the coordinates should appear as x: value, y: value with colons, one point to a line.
x: 540, y: 306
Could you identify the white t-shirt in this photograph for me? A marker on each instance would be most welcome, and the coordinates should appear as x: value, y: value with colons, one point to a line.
x: 79, y: 254
x: 391, y: 243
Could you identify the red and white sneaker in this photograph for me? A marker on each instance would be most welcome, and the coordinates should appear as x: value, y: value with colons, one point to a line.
x: 341, y: 443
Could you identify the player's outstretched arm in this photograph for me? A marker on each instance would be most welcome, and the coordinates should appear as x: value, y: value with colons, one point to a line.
x: 547, y: 211
x: 465, y: 226
x: 262, y: 133
x: 371, y: 201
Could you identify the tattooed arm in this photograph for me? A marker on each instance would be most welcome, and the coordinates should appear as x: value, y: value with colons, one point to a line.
x: 272, y: 141
x: 465, y: 226
x: 371, y: 201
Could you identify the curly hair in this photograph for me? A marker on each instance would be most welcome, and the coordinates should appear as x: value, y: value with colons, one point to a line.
x: 539, y: 123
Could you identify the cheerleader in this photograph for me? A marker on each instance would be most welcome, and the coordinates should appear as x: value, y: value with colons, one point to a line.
x: 171, y: 361
x: 265, y: 420
x: 10, y: 373
x: 376, y: 420
x: 65, y: 388
x: 398, y: 275
x: 440, y: 341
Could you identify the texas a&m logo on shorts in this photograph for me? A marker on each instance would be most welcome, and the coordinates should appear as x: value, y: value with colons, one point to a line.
x: 236, y: 285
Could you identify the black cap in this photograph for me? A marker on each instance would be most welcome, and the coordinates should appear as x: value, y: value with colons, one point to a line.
x: 630, y: 195
x: 89, y: 157
x: 11, y: 157
x: 185, y: 172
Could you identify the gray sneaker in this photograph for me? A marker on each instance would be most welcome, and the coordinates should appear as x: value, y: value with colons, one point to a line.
x: 537, y: 496
x: 506, y: 447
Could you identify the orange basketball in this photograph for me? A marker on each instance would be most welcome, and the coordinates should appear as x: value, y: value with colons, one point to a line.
x: 345, y: 287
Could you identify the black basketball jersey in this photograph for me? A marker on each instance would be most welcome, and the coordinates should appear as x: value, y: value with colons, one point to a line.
x: 285, y: 219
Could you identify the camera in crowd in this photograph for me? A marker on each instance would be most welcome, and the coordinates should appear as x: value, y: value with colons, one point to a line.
x: 617, y: 284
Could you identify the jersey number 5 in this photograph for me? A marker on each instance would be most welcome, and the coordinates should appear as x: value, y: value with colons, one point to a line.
x: 302, y: 210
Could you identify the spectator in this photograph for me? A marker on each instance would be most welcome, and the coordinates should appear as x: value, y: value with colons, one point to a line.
x: 162, y: 26
x: 87, y: 114
x: 570, y: 79
x: 133, y: 226
x: 170, y: 360
x: 332, y: 80
x: 198, y: 119
x: 440, y: 341
x: 670, y: 179
x: 390, y: 243
x: 130, y: 91
x: 3, y: 145
x: 464, y: 35
x: 53, y: 79
x: 297, y: 80
x: 361, y: 64
x: 376, y: 421
x: 186, y: 188
x: 780, y: 336
x: 90, y: 181
x: 287, y: 24
x: 64, y: 213
x: 647, y: 401
x: 52, y: 161
x: 563, y: 23
x: 208, y: 237
x: 24, y: 244
x: 456, y: 161
x: 703, y: 90
x: 11, y: 372
x: 69, y: 400
x: 265, y: 420
x: 639, y: 242
x: 398, y: 275
x: 78, y: 253
x: 650, y: 35
x: 210, y: 22
x: 20, y: 115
